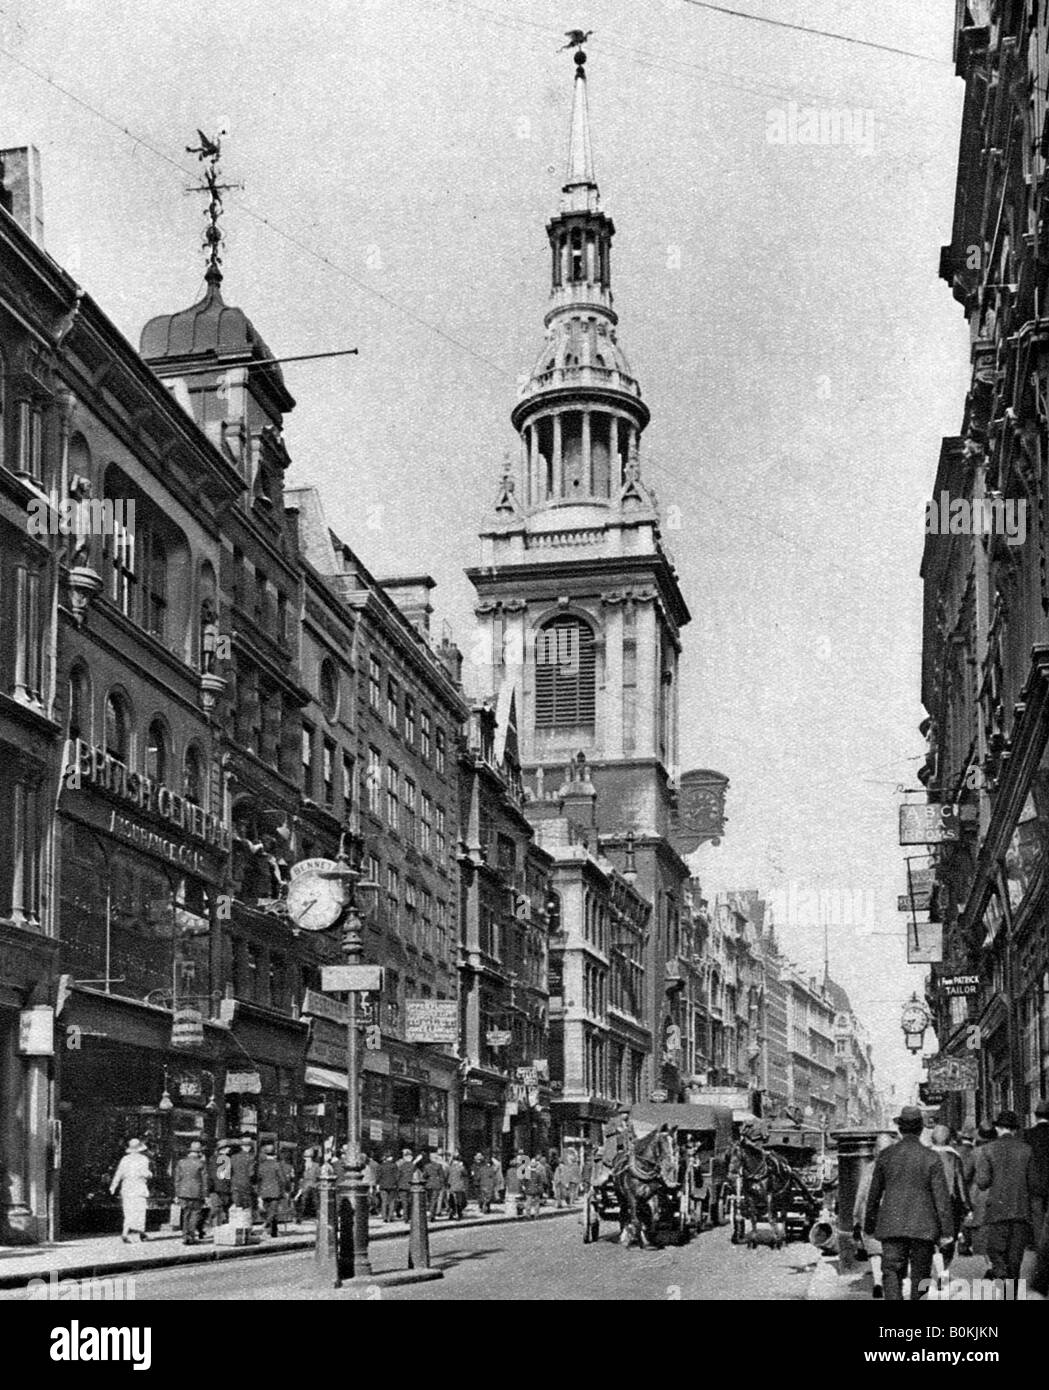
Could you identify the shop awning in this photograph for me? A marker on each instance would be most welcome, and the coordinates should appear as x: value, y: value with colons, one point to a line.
x: 325, y: 1079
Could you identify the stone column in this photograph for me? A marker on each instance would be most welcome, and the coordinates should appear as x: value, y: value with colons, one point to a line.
x: 645, y: 735
x: 611, y: 721
x: 559, y: 466
x: 19, y: 843
x: 615, y: 463
x: 21, y: 634
x: 588, y: 460
x: 533, y: 450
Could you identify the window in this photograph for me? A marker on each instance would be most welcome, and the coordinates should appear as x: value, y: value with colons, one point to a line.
x: 411, y: 913
x: 392, y: 800
x: 79, y: 704
x: 29, y: 670
x: 307, y: 759
x: 118, y: 727
x: 238, y: 576
x: 393, y: 703
x: 565, y: 678
x: 328, y: 772
x: 374, y: 780
x: 154, y: 570
x: 374, y: 683
x: 282, y: 617
x: 409, y: 810
x: 442, y: 846
x: 194, y: 777
x: 442, y: 930
x: 157, y: 747
x: 393, y: 898
x: 348, y: 770
x: 261, y: 600
x: 329, y: 688
x: 278, y: 982
x: 122, y: 577
x: 426, y: 734
x: 440, y: 751
x: 252, y: 961
x: 31, y: 440
x: 409, y: 720
x: 426, y: 826
x: 427, y: 940
x: 392, y: 1000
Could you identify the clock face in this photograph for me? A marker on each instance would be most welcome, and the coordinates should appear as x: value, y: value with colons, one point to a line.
x: 915, y: 1018
x: 314, y: 903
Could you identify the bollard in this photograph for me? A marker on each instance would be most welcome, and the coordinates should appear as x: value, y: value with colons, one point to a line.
x: 325, y: 1251
x: 823, y: 1235
x: 418, y: 1235
x: 855, y: 1157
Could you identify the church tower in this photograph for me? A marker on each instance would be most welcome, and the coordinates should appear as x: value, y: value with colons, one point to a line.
x: 578, y: 603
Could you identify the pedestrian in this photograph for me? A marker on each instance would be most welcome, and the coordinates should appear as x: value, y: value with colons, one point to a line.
x: 242, y: 1181
x: 220, y: 1181
x: 533, y: 1187
x: 871, y: 1244
x: 1037, y: 1139
x: 436, y: 1177
x: 484, y: 1175
x: 499, y: 1178
x: 131, y: 1180
x: 191, y: 1191
x: 458, y: 1180
x: 309, y: 1186
x: 405, y: 1168
x: 272, y: 1178
x: 561, y: 1183
x: 586, y: 1168
x: 389, y: 1174
x: 371, y: 1178
x: 965, y: 1147
x: 958, y: 1193
x: 1003, y: 1172
x: 573, y: 1177
x: 908, y: 1207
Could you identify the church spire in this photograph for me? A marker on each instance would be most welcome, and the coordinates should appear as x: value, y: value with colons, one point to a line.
x: 580, y: 188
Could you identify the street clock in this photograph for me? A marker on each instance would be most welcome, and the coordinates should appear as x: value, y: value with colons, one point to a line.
x: 315, y: 894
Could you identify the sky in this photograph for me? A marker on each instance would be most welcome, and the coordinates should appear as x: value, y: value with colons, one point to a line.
x: 778, y: 301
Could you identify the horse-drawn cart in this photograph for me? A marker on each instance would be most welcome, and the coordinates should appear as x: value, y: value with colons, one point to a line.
x: 804, y: 1197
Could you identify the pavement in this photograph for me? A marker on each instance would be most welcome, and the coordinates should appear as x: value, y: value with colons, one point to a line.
x: 829, y: 1284
x: 91, y: 1257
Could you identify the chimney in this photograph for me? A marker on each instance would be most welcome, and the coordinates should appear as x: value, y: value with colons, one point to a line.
x: 21, y: 189
x: 411, y: 594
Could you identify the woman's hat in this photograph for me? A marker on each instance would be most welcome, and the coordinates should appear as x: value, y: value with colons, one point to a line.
x: 133, y: 1145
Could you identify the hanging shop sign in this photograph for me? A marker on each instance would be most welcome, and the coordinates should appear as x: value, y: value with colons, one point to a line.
x: 928, y: 823
x: 431, y: 1020
x: 93, y: 767
x: 243, y: 1083
x: 924, y: 943
x: 351, y: 979
x: 954, y: 1073
x: 960, y: 986
x: 36, y: 1032
x: 317, y: 1005
x: 498, y: 1037
x: 919, y: 901
x: 187, y: 1028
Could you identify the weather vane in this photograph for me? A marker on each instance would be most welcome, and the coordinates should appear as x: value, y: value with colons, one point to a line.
x: 576, y: 38
x: 208, y: 152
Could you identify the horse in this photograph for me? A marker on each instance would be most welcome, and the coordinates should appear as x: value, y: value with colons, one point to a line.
x: 762, y: 1181
x: 643, y: 1178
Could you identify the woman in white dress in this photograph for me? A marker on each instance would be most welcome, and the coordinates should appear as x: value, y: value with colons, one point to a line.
x: 132, y: 1180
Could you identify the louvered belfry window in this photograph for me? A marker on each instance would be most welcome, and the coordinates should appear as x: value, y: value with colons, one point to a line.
x: 564, y: 675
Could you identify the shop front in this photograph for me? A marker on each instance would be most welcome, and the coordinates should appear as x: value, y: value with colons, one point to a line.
x: 483, y: 1113
x: 265, y: 1073
x: 120, y: 1079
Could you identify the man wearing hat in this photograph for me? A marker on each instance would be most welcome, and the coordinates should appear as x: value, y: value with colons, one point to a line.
x: 132, y: 1180
x: 1037, y: 1139
x: 908, y: 1207
x: 618, y: 1137
x: 191, y: 1190
x: 1003, y: 1170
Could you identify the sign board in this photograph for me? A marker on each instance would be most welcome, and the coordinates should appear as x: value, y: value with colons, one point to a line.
x: 928, y: 1095
x: 498, y: 1037
x: 954, y: 1073
x: 351, y: 979
x: 921, y: 901
x: 187, y: 1028
x: 927, y: 823
x: 960, y: 986
x: 375, y: 1130
x: 243, y: 1083
x: 318, y: 1005
x: 924, y: 943
x: 36, y: 1032
x: 431, y: 1020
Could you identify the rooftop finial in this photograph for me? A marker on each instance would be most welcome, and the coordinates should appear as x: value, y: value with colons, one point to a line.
x: 208, y: 152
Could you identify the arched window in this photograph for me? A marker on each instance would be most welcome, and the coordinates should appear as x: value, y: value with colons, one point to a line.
x: 158, y: 747
x: 154, y: 572
x: 329, y: 687
x: 118, y: 727
x: 564, y: 674
x: 79, y: 704
x: 193, y: 781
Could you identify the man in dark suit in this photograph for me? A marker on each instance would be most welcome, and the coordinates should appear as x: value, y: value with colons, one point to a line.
x: 272, y: 1177
x: 1003, y: 1172
x: 1037, y: 1139
x: 908, y: 1207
